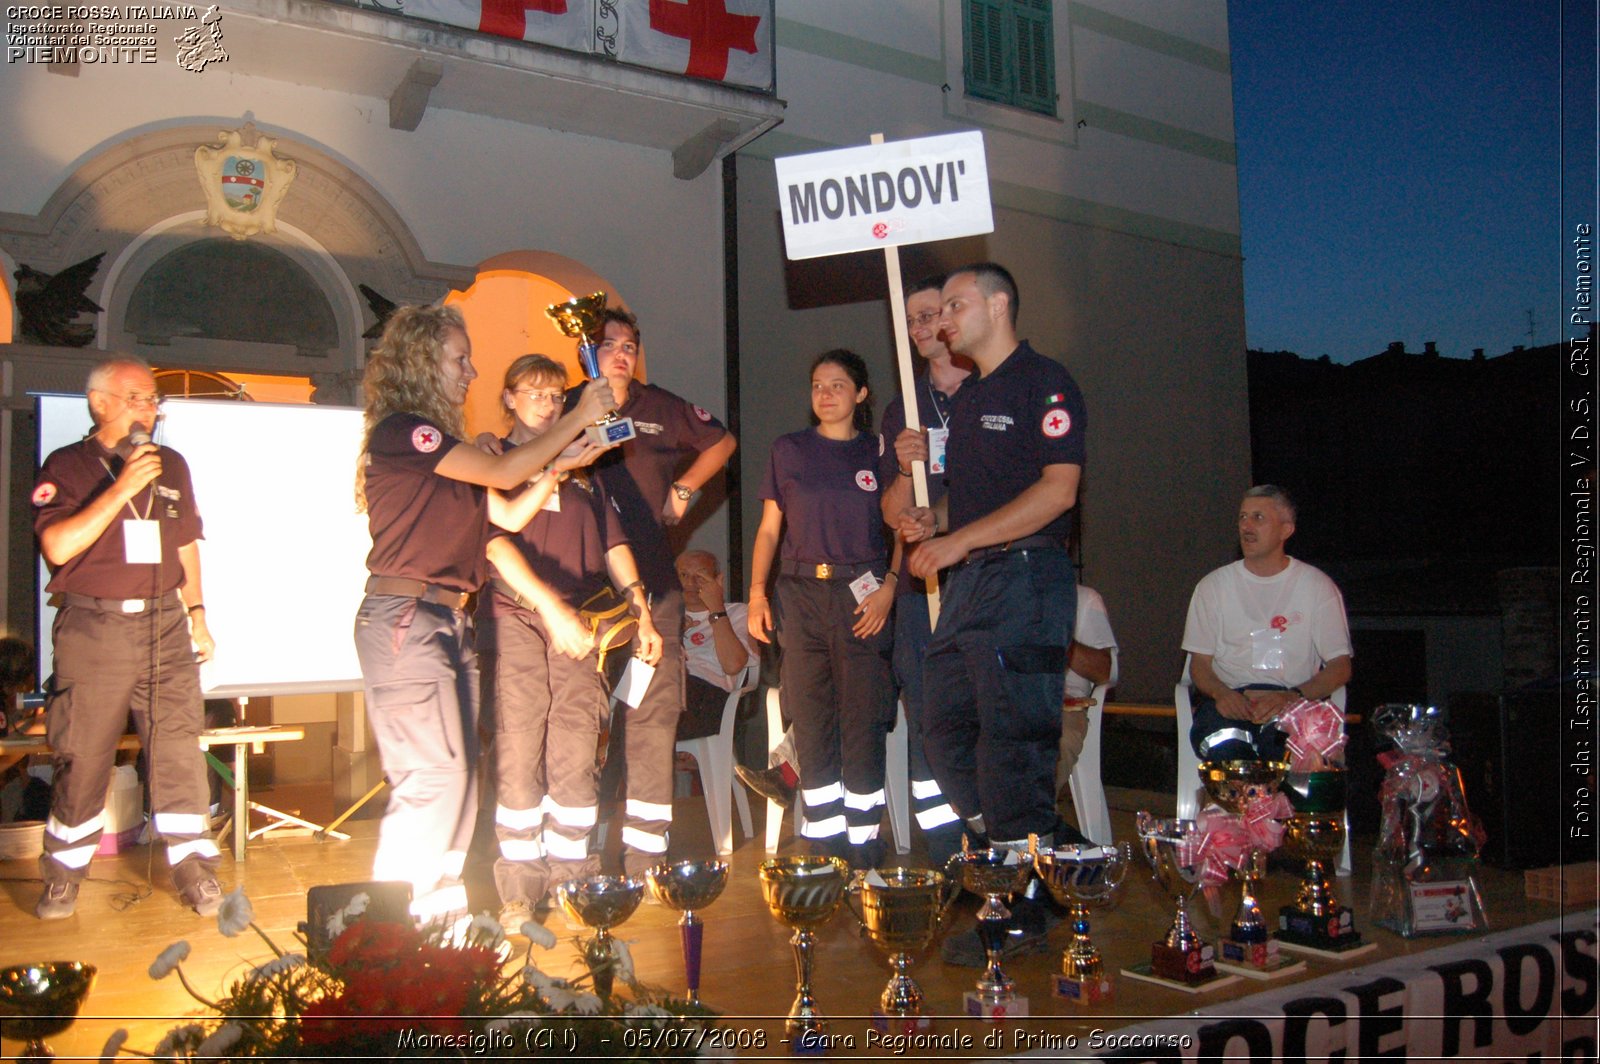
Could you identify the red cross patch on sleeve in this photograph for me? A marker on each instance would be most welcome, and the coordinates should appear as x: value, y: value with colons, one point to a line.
x: 1057, y: 422
x: 44, y: 493
x: 426, y: 438
x: 703, y: 415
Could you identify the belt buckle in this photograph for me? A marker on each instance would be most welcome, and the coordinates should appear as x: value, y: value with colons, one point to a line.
x: 824, y: 571
x: 133, y: 605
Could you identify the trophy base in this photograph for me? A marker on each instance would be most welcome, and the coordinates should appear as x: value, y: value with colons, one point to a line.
x: 1090, y: 991
x: 1334, y: 933
x: 893, y: 1024
x: 1262, y: 955
x: 985, y: 1007
x: 1190, y: 966
x: 611, y: 433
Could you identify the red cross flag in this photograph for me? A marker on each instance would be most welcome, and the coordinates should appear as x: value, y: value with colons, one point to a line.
x: 719, y: 40
x: 565, y: 24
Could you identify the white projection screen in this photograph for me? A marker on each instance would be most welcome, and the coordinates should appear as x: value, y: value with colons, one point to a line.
x: 284, y: 555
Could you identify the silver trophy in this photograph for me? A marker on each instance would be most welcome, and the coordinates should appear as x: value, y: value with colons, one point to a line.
x: 601, y: 902
x: 1078, y: 877
x: 685, y: 887
x: 1169, y: 845
x: 996, y: 874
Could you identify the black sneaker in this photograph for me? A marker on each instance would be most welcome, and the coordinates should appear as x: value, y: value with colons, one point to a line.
x: 58, y: 900
x: 204, y: 895
x: 767, y: 782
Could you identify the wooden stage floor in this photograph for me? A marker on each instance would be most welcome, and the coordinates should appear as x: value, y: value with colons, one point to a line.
x: 121, y: 926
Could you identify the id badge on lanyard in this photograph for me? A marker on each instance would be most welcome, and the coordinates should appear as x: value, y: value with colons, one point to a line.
x: 938, y: 440
x: 141, y: 541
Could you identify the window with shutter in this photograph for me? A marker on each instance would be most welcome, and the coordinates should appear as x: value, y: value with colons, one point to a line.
x: 1009, y: 53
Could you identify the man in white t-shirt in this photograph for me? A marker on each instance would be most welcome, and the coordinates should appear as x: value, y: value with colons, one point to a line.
x: 716, y: 644
x: 1264, y: 633
x: 1089, y: 663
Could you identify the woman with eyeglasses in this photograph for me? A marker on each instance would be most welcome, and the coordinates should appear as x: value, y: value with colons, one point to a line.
x: 429, y: 501
x: 821, y: 524
x: 541, y: 668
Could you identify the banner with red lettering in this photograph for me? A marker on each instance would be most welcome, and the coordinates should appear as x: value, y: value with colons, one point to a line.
x: 719, y: 40
x: 567, y: 24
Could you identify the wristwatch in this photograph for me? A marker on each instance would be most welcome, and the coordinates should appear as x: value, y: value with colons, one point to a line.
x: 717, y: 616
x: 683, y: 491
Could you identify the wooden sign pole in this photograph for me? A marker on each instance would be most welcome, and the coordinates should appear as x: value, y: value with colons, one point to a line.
x: 908, y: 394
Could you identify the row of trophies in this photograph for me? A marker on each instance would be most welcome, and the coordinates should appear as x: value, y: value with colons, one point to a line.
x: 902, y: 910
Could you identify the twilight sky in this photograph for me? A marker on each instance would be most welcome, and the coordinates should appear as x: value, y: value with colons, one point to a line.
x: 1399, y: 170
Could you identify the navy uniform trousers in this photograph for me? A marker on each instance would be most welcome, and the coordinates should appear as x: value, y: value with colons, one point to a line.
x: 994, y: 677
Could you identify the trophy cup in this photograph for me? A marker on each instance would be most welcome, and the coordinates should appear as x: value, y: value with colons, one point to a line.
x: 994, y: 873
x: 577, y: 318
x: 901, y: 910
x: 1168, y: 845
x: 804, y: 893
x: 1315, y: 835
x: 1077, y: 877
x: 600, y: 902
x: 685, y: 887
x: 1234, y: 785
x: 42, y: 999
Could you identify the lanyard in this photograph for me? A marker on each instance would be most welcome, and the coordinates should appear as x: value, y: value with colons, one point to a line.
x: 944, y: 419
x: 149, y: 502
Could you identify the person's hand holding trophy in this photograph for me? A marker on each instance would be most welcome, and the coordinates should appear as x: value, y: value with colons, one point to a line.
x: 578, y: 318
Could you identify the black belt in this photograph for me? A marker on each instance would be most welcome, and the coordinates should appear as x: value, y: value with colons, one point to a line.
x: 825, y: 570
x: 512, y: 593
x: 133, y: 605
x: 417, y: 589
x: 1025, y: 543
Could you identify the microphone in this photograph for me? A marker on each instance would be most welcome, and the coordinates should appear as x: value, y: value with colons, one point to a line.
x: 138, y: 435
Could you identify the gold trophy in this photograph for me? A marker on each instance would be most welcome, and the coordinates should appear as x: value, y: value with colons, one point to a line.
x: 578, y: 318
x: 1315, y: 835
x: 1234, y: 785
x: 901, y: 910
x: 1078, y: 877
x: 601, y: 902
x: 42, y: 999
x: 804, y: 893
x: 1182, y: 956
x: 685, y: 887
x: 996, y: 874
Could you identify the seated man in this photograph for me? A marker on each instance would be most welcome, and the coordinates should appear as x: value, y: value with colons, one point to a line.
x: 1089, y: 664
x: 716, y: 644
x: 1264, y: 632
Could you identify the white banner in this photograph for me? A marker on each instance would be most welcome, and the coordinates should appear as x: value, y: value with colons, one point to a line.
x: 884, y: 195
x: 718, y: 40
x: 567, y: 24
x: 1524, y: 994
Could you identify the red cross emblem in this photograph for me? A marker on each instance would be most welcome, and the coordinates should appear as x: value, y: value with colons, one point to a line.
x: 880, y: 230
x: 710, y: 30
x: 44, y: 493
x: 1056, y: 423
x: 697, y: 638
x: 866, y: 481
x: 1280, y: 623
x: 425, y: 438
x: 703, y: 415
x: 509, y: 18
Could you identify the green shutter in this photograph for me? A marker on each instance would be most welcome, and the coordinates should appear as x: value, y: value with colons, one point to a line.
x: 1009, y: 52
x: 988, y: 73
x: 1036, y: 89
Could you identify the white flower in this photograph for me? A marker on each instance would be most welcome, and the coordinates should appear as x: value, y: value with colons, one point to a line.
x: 221, y: 1040
x: 538, y: 979
x: 357, y: 904
x: 236, y: 913
x: 649, y: 1012
x: 558, y: 999
x: 169, y: 960
x: 624, y: 960
x: 586, y: 1004
x: 113, y: 1044
x: 278, y: 965
x: 539, y: 934
x: 179, y: 1038
x: 334, y: 926
x: 486, y: 930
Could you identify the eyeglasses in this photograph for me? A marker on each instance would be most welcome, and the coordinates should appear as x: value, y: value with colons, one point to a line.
x: 626, y: 347
x: 137, y: 398
x: 540, y: 397
x: 927, y: 319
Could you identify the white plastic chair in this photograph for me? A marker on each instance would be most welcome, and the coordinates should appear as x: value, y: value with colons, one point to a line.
x: 1088, y: 794
x: 896, y: 771
x: 714, y: 755
x: 1189, y: 792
